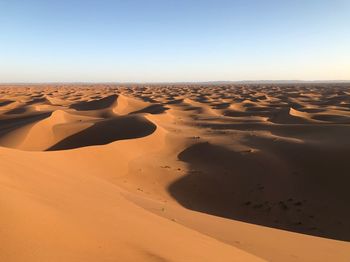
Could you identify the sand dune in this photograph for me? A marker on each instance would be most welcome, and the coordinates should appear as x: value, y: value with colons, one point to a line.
x: 126, y: 105
x: 97, y: 104
x: 174, y: 173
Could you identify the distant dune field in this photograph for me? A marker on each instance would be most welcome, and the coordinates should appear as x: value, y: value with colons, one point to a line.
x: 186, y: 172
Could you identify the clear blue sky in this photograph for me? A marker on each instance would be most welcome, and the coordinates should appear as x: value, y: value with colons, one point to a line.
x: 173, y: 40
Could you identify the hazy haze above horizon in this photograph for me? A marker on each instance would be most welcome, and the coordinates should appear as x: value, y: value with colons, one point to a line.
x: 150, y: 41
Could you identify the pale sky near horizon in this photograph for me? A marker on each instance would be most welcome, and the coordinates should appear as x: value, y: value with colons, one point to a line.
x: 178, y: 40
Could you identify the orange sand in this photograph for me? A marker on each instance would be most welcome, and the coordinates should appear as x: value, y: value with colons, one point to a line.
x: 174, y: 173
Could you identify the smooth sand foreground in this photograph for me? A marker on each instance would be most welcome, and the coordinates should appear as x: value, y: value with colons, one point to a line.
x: 174, y: 173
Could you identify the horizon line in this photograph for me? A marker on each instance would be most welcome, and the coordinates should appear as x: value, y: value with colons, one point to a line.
x: 177, y: 82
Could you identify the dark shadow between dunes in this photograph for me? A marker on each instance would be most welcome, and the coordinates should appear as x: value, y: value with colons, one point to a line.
x: 97, y: 104
x: 17, y: 111
x: 107, y: 131
x: 265, y: 189
x: 10, y: 124
x: 6, y: 102
x: 152, y: 109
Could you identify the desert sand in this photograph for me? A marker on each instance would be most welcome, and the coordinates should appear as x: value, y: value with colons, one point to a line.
x: 225, y: 172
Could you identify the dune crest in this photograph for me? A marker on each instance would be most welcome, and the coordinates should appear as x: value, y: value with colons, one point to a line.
x: 126, y: 105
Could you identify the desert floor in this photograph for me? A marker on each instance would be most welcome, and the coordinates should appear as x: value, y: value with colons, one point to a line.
x: 175, y: 173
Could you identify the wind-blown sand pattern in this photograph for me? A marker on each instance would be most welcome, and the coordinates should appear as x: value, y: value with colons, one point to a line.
x: 175, y: 172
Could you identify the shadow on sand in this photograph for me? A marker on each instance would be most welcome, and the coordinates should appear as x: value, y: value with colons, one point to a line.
x: 292, y: 187
x: 107, y: 131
